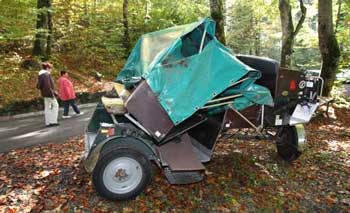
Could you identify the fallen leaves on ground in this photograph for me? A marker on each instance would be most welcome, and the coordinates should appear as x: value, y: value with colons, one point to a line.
x: 242, y: 175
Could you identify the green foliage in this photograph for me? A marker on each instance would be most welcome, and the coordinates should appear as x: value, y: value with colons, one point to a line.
x: 243, y: 29
x: 16, y: 23
x: 343, y: 34
x: 253, y: 28
x: 90, y: 32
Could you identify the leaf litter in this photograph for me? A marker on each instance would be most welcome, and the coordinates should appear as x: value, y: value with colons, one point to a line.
x: 244, y: 175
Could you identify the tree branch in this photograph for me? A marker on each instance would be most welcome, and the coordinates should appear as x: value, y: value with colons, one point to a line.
x: 302, y: 18
x: 338, y: 17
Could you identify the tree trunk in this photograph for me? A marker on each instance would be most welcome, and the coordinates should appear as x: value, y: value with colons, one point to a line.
x: 148, y: 10
x: 41, y: 27
x: 328, y: 44
x: 50, y: 30
x: 257, y: 37
x: 288, y: 31
x: 338, y: 16
x: 216, y: 12
x: 126, y: 41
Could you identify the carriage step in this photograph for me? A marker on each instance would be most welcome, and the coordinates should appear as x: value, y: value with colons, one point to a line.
x: 185, y: 177
x: 179, y: 155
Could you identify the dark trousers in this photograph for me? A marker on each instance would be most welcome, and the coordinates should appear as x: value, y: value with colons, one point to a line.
x: 66, y: 107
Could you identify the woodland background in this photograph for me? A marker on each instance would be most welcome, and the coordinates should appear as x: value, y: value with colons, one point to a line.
x: 89, y: 36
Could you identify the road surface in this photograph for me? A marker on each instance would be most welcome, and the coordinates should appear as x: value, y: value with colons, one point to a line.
x: 28, y: 131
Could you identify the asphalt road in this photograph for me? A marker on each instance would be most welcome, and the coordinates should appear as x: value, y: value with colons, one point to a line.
x: 28, y: 131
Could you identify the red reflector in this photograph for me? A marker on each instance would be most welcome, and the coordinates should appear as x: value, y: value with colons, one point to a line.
x: 110, y: 132
x: 292, y: 85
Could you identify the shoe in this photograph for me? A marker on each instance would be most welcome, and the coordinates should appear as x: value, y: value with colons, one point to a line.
x: 66, y: 116
x: 81, y: 113
x: 51, y: 125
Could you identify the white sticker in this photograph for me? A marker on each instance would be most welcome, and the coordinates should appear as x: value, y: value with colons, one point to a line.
x: 278, y: 121
x: 309, y: 84
x: 227, y: 125
x: 157, y: 133
x: 302, y: 84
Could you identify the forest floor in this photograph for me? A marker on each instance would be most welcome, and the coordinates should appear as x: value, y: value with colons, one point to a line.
x: 243, y: 175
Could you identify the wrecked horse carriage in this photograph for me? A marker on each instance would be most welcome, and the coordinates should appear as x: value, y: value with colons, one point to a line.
x: 179, y: 89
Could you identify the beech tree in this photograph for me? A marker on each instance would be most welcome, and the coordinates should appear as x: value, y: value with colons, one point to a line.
x: 216, y: 12
x: 288, y: 31
x: 43, y: 30
x: 126, y: 42
x: 328, y: 45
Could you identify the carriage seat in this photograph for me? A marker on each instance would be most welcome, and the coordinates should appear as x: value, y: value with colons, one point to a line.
x: 114, y: 105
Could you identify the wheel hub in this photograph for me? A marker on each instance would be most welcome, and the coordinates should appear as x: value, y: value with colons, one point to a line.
x: 121, y: 174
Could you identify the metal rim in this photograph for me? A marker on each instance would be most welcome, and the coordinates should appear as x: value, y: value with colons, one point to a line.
x: 122, y: 175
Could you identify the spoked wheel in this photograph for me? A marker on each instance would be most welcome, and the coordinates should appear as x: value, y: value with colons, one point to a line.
x: 287, y: 143
x: 121, y: 174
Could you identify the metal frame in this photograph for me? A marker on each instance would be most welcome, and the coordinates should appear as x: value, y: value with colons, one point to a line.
x: 216, y: 105
x: 202, y: 41
x: 225, y: 98
x: 262, y: 116
x: 237, y: 82
x: 322, y: 84
x: 114, y: 119
x: 137, y: 123
x: 257, y: 128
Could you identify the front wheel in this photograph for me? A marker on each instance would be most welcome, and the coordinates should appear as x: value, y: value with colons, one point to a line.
x: 121, y: 174
x: 287, y: 143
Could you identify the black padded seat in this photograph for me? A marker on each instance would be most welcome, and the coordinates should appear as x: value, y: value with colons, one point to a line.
x: 268, y: 67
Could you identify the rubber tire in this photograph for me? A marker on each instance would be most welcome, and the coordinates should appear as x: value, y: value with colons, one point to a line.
x: 287, y: 143
x: 106, y: 157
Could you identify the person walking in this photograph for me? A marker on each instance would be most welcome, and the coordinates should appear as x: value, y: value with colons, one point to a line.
x: 67, y: 95
x: 46, y: 86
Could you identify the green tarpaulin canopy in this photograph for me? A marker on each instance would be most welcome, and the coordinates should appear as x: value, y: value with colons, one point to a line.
x: 186, y: 66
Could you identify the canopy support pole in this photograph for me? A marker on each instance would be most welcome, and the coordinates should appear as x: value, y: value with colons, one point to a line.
x: 216, y: 105
x: 225, y: 98
x: 202, y: 42
x: 237, y: 82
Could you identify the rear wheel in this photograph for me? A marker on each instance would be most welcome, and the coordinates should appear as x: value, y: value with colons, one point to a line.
x: 287, y: 143
x: 121, y: 173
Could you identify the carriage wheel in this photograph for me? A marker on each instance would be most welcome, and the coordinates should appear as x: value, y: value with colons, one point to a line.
x: 121, y: 174
x: 287, y: 143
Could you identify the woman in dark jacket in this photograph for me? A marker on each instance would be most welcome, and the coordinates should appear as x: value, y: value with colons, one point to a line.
x: 47, y: 89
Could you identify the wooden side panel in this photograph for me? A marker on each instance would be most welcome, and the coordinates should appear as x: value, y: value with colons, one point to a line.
x: 179, y: 155
x: 144, y: 106
x: 233, y: 120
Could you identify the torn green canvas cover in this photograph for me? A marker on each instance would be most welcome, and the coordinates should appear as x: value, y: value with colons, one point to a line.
x: 149, y: 48
x: 185, y: 70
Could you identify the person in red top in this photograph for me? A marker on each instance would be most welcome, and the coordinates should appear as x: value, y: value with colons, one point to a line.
x: 67, y: 94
